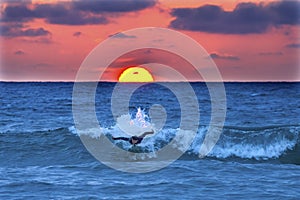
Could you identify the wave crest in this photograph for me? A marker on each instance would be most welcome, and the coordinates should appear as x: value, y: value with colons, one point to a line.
x: 279, y: 143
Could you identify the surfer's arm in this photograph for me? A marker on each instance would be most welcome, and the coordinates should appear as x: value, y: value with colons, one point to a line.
x: 146, y: 133
x: 120, y: 138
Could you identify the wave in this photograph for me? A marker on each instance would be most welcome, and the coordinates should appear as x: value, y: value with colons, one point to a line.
x: 259, y: 144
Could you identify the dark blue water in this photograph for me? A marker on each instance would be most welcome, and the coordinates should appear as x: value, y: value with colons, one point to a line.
x: 257, y: 155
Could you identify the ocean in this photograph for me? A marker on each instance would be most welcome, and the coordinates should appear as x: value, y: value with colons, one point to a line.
x: 256, y: 157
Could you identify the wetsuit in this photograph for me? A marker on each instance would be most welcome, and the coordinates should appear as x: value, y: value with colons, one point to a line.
x: 139, y: 139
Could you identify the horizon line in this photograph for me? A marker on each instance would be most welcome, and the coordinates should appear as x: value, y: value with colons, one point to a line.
x: 92, y: 81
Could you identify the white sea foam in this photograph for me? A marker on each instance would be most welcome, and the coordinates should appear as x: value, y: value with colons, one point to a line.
x: 259, y: 143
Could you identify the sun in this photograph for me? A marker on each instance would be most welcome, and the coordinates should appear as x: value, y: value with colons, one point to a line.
x: 135, y: 74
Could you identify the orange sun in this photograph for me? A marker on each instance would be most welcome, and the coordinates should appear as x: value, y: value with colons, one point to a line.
x: 135, y: 74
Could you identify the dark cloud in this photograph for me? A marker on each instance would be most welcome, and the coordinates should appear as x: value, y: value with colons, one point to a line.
x: 60, y: 13
x: 19, y: 13
x: 77, y: 34
x: 246, y: 18
x: 293, y: 45
x: 63, y: 14
x: 73, y: 18
x: 113, y: 6
x: 72, y: 13
x: 285, y: 12
x: 224, y: 57
x: 122, y: 35
x: 17, y: 30
x: 33, y: 32
x: 271, y: 53
x: 19, y: 53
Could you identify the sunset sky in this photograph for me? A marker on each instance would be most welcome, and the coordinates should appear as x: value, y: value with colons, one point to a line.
x: 248, y: 40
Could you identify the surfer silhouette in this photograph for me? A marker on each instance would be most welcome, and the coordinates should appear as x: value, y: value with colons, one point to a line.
x: 134, y: 140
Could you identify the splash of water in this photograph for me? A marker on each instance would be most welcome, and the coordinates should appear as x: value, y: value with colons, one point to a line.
x: 140, y: 119
x: 135, y: 126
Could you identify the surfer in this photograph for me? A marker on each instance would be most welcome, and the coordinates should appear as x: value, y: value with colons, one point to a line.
x: 134, y: 140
